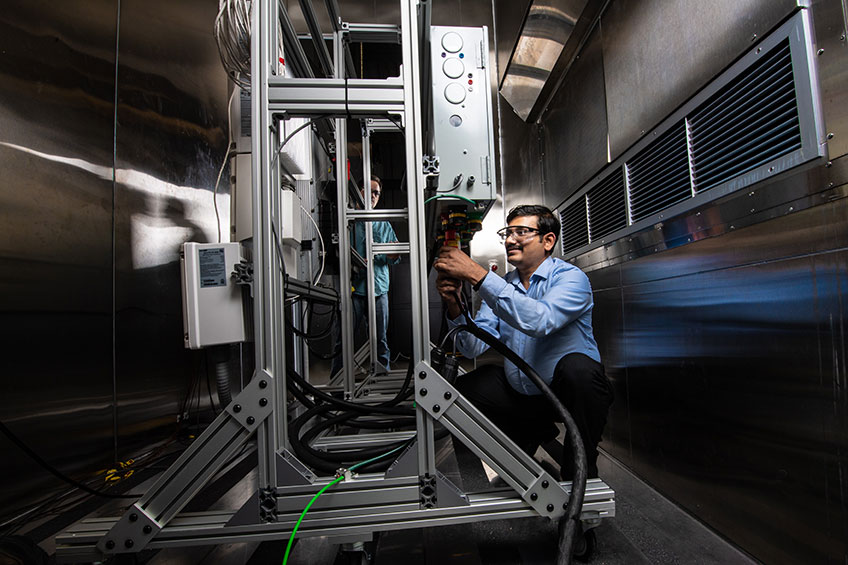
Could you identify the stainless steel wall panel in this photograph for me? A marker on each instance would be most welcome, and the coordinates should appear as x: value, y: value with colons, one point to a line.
x: 830, y: 22
x: 658, y: 53
x: 727, y: 360
x: 575, y: 124
x: 171, y: 140
x: 55, y: 282
x: 510, y: 19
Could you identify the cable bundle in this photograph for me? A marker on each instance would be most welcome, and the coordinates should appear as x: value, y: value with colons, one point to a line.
x: 232, y: 33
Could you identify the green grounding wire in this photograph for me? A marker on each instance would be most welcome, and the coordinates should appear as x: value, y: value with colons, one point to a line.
x: 328, y: 485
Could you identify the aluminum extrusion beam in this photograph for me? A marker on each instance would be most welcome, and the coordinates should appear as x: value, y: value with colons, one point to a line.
x: 468, y: 424
x: 372, y: 33
x: 295, y: 55
x: 381, y: 214
x: 206, y: 528
x: 317, y: 37
x: 336, y: 97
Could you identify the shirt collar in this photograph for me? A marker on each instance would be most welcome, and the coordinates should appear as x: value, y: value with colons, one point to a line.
x: 543, y: 271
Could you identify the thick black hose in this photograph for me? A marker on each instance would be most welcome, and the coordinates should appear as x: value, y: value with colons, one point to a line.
x: 568, y: 525
x: 383, y: 408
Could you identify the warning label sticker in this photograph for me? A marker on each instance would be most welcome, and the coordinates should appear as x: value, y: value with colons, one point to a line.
x: 213, y: 267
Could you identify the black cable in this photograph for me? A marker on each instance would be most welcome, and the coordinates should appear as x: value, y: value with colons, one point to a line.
x: 578, y: 486
x: 48, y: 467
x: 383, y: 408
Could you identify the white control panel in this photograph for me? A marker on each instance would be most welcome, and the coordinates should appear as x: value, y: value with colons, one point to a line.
x: 462, y: 111
x: 213, y: 311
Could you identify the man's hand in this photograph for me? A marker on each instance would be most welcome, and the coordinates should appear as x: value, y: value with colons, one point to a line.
x: 453, y: 263
x: 449, y: 289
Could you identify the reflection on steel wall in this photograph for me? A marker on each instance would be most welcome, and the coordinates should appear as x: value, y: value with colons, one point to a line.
x: 57, y: 88
x: 723, y: 328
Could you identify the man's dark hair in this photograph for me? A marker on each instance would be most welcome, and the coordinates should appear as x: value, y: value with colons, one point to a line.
x: 376, y: 179
x: 548, y: 222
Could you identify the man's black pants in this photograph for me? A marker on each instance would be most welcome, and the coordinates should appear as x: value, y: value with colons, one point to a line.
x: 579, y: 382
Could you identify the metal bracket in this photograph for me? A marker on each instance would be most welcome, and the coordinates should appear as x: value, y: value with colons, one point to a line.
x: 135, y: 528
x: 430, y: 165
x: 253, y: 404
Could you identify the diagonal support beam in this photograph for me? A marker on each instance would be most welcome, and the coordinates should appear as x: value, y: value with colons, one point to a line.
x: 444, y: 403
x: 206, y: 456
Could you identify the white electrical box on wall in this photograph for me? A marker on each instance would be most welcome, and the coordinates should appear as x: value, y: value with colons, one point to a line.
x: 213, y: 308
x: 462, y: 111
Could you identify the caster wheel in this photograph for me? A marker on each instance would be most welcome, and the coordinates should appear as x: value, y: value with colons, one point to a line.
x: 584, y: 547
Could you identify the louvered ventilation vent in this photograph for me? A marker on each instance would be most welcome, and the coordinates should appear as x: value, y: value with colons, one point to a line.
x: 749, y: 122
x: 607, y: 206
x: 659, y: 174
x: 574, y: 226
x: 756, y: 119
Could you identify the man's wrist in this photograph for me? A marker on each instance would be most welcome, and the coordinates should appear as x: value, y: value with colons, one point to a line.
x: 478, y: 278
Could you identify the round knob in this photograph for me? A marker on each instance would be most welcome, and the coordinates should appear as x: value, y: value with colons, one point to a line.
x: 455, y: 93
x: 453, y: 67
x: 452, y: 42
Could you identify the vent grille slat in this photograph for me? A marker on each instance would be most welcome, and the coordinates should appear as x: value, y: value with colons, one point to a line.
x: 659, y: 174
x: 575, y: 228
x: 752, y: 75
x: 779, y: 127
x: 751, y: 121
x: 743, y: 111
x: 718, y: 141
x: 607, y: 206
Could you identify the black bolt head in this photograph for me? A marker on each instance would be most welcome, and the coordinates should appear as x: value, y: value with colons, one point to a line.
x: 422, y: 375
x: 263, y: 402
x: 237, y: 408
x: 534, y: 496
x: 545, y: 484
x: 133, y: 517
x: 550, y: 507
x: 436, y: 408
x: 448, y: 395
x: 250, y: 420
x: 263, y: 384
x: 423, y: 392
x: 110, y: 544
x: 129, y: 543
x: 147, y: 529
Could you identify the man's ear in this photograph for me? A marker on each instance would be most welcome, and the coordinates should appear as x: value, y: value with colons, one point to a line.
x: 549, y: 240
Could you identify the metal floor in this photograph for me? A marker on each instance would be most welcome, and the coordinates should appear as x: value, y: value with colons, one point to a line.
x: 647, y: 528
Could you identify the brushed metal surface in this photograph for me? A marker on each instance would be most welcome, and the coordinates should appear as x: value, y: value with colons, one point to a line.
x: 658, y: 53
x: 509, y: 17
x: 521, y: 160
x: 56, y: 159
x: 830, y: 22
x: 575, y: 123
x: 55, y: 225
x: 171, y: 140
x: 727, y: 361
x: 547, y: 27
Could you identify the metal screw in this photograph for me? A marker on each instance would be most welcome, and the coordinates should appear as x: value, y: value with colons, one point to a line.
x: 828, y: 164
x: 133, y: 517
x: 147, y: 529
x: 448, y: 395
x: 830, y: 136
x: 110, y: 544
x: 263, y: 384
x: 423, y: 392
x: 129, y: 543
x: 534, y: 496
x: 820, y: 51
x: 545, y: 484
x: 263, y: 402
x: 250, y: 420
x: 754, y: 37
x: 436, y: 408
x: 550, y: 507
x: 237, y: 408
x: 564, y: 505
x: 422, y: 375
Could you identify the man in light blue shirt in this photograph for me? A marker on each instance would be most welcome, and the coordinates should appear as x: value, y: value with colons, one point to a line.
x: 382, y: 232
x: 543, y: 311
